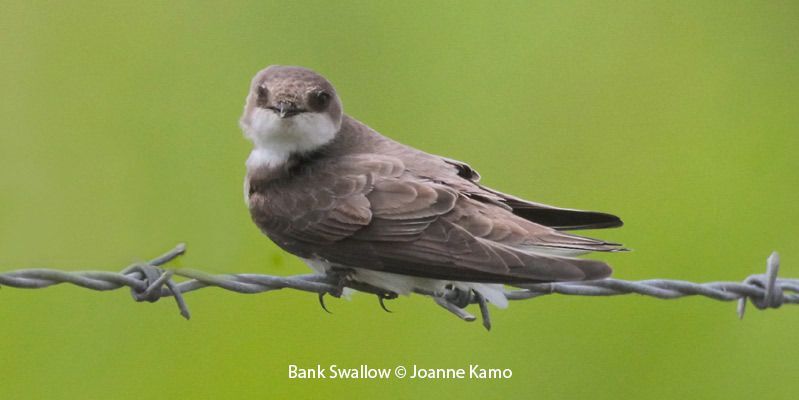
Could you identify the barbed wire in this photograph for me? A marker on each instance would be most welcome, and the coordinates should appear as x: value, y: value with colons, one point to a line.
x: 150, y: 282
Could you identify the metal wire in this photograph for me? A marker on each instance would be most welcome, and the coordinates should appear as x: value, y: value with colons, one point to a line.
x: 150, y: 282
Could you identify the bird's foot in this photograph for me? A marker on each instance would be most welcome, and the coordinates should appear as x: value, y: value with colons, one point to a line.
x: 340, y: 278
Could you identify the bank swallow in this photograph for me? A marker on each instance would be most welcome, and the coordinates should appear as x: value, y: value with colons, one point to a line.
x: 336, y: 193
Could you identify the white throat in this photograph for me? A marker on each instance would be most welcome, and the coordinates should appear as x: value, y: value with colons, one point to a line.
x: 275, y: 139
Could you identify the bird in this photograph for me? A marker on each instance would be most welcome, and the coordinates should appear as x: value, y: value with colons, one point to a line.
x: 349, y: 201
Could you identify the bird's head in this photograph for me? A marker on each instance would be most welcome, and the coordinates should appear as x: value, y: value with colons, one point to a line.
x: 290, y: 110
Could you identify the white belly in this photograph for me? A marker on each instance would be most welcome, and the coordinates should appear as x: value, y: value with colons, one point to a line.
x: 404, y: 284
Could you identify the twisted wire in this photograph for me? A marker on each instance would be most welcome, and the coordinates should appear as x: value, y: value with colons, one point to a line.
x: 150, y: 282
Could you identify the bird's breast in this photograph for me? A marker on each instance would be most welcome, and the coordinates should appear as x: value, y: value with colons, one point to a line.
x: 270, y: 221
x: 262, y: 215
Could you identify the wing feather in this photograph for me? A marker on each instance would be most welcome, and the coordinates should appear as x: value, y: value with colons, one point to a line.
x: 371, y: 211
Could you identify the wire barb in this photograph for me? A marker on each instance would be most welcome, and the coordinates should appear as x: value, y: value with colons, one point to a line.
x: 150, y: 281
x: 773, y: 296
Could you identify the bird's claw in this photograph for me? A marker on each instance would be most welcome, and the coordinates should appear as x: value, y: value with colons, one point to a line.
x: 381, y: 297
x: 322, y: 302
x: 383, y: 304
x: 342, y: 277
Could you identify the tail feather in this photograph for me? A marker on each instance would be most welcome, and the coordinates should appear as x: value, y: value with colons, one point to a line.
x: 537, y: 266
x: 563, y: 240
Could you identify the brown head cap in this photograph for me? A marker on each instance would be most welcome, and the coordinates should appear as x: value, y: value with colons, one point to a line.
x: 288, y: 91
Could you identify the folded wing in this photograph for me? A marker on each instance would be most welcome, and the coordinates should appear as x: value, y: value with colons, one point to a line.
x: 370, y: 211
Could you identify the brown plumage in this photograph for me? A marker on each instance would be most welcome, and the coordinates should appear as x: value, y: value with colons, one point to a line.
x: 361, y: 200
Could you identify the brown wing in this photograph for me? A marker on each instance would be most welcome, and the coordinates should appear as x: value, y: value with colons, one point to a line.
x: 554, y: 217
x: 461, y: 177
x: 370, y: 211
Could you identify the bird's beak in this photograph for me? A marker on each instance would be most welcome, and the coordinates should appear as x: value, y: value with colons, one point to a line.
x: 287, y: 109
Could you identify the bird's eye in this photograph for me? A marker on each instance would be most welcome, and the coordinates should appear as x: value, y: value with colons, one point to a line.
x: 263, y: 96
x: 318, y: 101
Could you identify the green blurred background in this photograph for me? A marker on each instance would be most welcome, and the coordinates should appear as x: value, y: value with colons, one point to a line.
x: 119, y: 138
